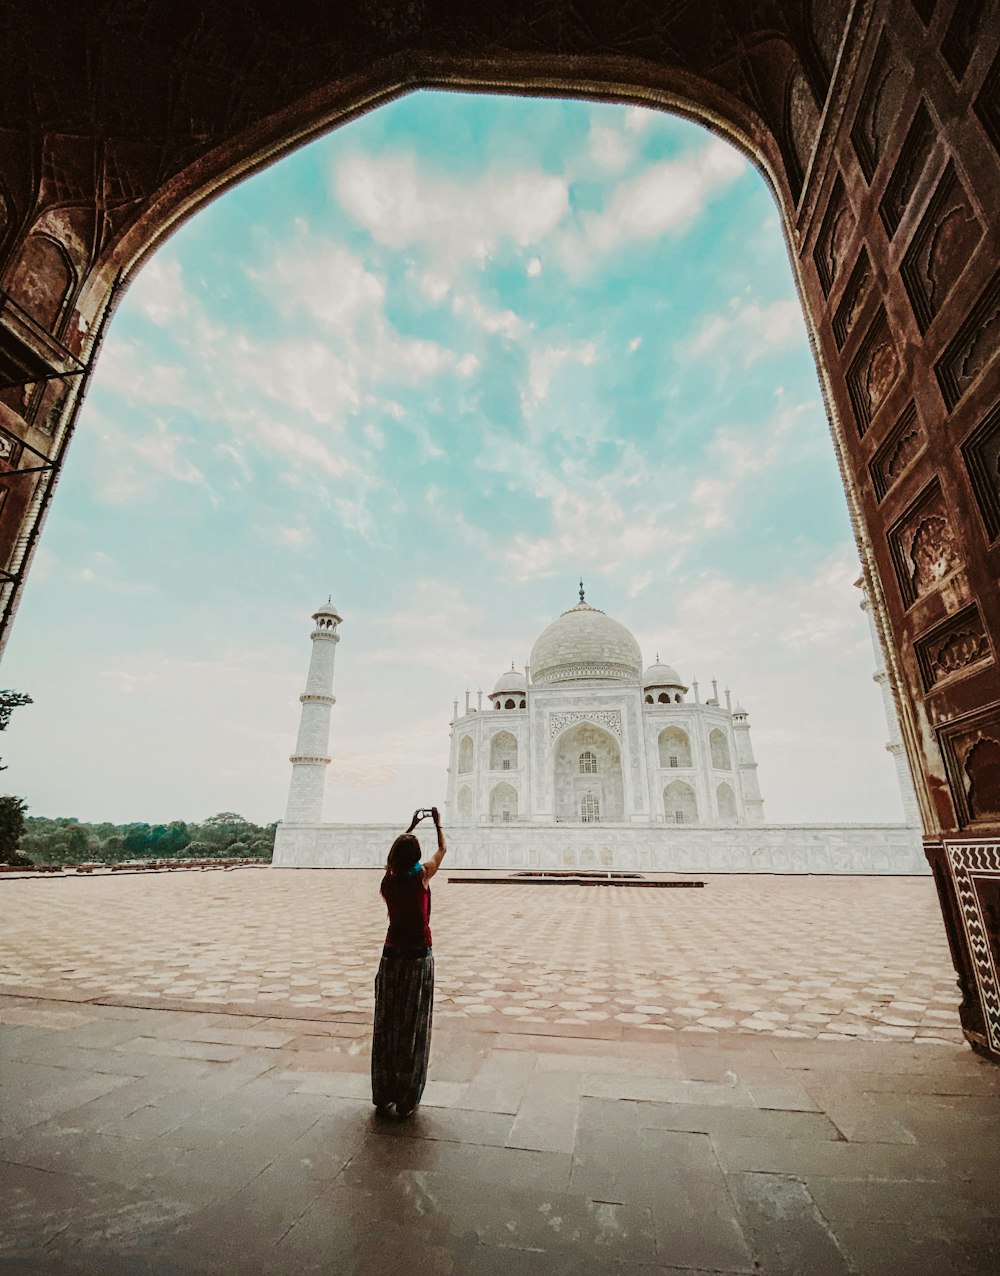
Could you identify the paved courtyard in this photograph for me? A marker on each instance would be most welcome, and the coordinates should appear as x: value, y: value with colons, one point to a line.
x: 789, y: 956
x: 186, y: 1089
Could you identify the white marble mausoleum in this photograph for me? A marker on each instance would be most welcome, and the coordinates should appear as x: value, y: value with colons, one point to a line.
x: 586, y: 735
x: 586, y: 759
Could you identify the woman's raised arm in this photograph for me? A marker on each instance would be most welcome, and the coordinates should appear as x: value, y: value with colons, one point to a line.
x: 434, y: 863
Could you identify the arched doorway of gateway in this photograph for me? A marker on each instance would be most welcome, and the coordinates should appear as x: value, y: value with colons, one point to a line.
x: 876, y: 129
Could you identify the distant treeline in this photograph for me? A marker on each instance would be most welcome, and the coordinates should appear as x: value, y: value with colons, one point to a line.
x: 68, y: 841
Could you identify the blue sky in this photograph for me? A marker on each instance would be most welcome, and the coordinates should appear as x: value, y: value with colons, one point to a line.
x: 441, y: 363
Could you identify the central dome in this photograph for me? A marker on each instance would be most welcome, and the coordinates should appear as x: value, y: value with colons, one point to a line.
x: 585, y: 643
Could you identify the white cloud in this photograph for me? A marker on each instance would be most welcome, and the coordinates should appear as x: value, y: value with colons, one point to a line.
x: 534, y: 267
x: 326, y: 281
x: 610, y: 149
x: 736, y: 458
x: 138, y: 461
x: 291, y: 537
x: 504, y: 323
x: 403, y: 203
x: 159, y: 292
x: 103, y: 572
x: 546, y: 363
x: 663, y: 197
x: 748, y: 331
x: 592, y: 523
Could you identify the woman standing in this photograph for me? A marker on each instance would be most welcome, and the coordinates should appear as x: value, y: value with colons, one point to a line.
x: 404, y: 985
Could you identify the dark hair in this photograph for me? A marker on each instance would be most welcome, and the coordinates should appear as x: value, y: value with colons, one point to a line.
x: 403, y: 854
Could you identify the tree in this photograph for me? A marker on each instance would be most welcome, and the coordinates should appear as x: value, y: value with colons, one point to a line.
x: 12, y: 811
x: 9, y: 701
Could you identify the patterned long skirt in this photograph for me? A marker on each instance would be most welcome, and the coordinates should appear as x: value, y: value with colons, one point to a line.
x: 401, y: 1043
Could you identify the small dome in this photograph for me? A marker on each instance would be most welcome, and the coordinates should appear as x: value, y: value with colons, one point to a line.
x: 328, y: 609
x: 739, y: 709
x: 585, y: 643
x: 510, y: 681
x: 659, y: 675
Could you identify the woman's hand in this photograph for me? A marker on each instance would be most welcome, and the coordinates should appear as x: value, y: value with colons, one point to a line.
x: 417, y: 817
x: 436, y: 817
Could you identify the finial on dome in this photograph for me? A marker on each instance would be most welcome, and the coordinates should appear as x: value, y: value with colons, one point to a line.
x: 582, y: 599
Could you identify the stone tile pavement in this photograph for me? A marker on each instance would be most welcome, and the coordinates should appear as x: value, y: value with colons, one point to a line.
x: 185, y: 1065
x: 151, y: 1141
x: 784, y: 956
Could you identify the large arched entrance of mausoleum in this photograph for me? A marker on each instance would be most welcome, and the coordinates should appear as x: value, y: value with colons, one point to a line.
x: 877, y: 129
x: 587, y: 776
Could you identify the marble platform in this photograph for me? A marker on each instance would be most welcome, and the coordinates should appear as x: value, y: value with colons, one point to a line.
x: 765, y: 848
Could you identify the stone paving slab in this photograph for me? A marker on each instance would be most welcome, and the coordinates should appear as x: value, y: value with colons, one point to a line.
x: 248, y: 1163
x: 789, y: 957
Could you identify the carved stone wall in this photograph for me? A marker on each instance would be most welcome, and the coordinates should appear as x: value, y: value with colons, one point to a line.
x: 877, y: 123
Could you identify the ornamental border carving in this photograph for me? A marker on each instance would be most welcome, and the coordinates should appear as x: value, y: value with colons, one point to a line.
x: 967, y: 862
x: 608, y: 719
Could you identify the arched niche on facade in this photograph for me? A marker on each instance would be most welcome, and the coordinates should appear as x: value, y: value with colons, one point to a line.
x: 726, y: 801
x: 675, y: 748
x: 576, y: 776
x: 503, y: 752
x: 466, y: 754
x: 43, y: 280
x: 464, y: 804
x: 503, y: 803
x: 680, y: 804
x: 719, y: 746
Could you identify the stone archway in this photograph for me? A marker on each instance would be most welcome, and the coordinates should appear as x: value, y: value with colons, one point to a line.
x: 876, y: 127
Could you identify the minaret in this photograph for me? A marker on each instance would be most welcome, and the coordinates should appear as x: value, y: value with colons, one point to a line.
x: 895, y: 746
x: 309, y: 761
x: 753, y: 803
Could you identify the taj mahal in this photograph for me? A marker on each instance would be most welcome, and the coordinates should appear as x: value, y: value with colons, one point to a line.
x: 588, y: 759
x: 585, y: 735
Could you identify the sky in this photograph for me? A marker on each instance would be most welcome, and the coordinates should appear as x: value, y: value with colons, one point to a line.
x: 441, y: 364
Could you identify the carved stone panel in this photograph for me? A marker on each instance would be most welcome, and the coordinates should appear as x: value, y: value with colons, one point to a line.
x: 982, y: 458
x: 987, y: 104
x: 975, y: 871
x: 912, y: 161
x: 903, y: 445
x: 925, y: 550
x: 802, y: 121
x: 973, y: 347
x: 827, y: 19
x: 856, y: 293
x: 879, y: 107
x: 959, y: 646
x: 609, y: 719
x: 834, y: 237
x: 959, y: 41
x: 971, y: 749
x: 873, y: 373
x: 941, y: 247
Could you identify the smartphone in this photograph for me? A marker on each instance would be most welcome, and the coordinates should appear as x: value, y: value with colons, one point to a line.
x: 427, y: 812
